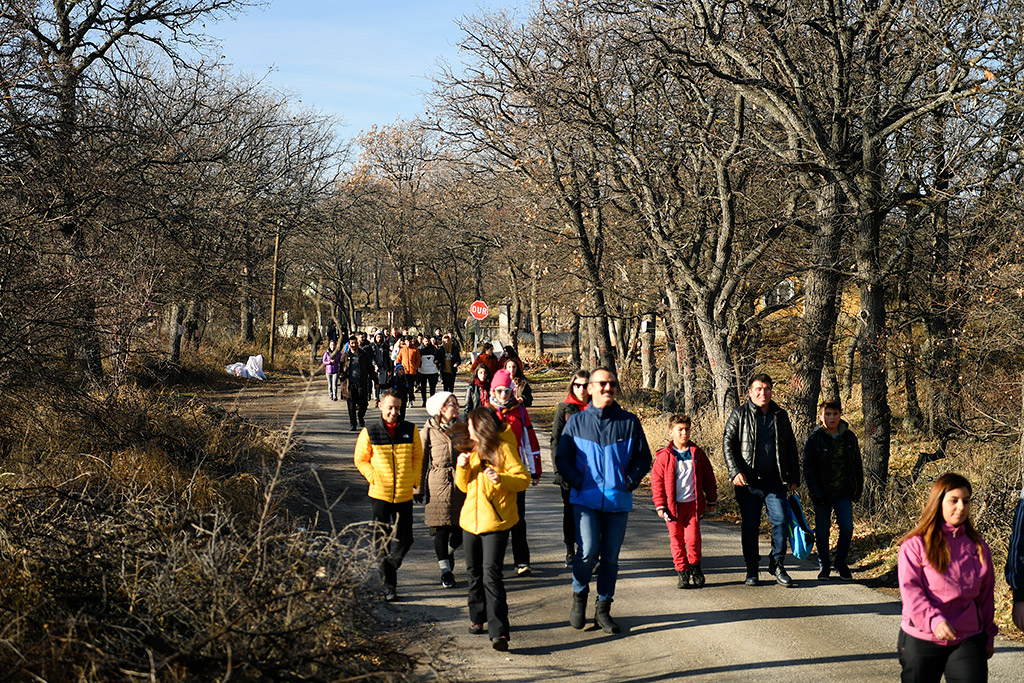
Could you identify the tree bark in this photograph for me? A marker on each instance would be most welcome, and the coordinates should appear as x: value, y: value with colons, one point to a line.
x: 538, y: 331
x: 648, y: 367
x: 574, y: 340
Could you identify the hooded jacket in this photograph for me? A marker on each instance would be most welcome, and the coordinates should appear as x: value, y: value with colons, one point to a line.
x: 740, y: 442
x: 818, y: 465
x: 392, y: 465
x: 663, y: 480
x: 1015, y: 553
x: 962, y: 595
x: 603, y: 455
x: 489, y: 506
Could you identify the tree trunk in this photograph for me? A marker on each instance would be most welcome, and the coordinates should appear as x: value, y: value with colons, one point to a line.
x: 851, y: 357
x: 821, y: 311
x: 176, y: 326
x: 648, y: 367
x: 716, y: 346
x: 246, y: 333
x: 574, y: 340
x: 538, y: 331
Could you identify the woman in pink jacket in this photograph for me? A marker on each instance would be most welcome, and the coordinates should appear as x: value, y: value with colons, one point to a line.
x: 946, y: 583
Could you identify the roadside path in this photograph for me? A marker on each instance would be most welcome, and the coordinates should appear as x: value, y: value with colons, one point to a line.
x: 724, y: 632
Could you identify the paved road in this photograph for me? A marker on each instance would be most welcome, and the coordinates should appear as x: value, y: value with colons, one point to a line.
x: 725, y: 632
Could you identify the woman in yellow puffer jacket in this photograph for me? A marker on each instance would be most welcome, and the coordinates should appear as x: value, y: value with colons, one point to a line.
x: 490, y: 476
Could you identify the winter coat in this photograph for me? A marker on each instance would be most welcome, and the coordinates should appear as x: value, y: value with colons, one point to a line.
x: 740, y: 442
x: 489, y: 506
x: 528, y: 446
x: 409, y: 357
x: 476, y: 397
x: 443, y: 500
x: 818, y: 465
x: 962, y: 596
x: 332, y: 363
x: 383, y: 363
x: 603, y: 455
x: 663, y: 480
x: 563, y: 412
x: 429, y: 362
x: 348, y: 380
x: 392, y: 466
x: 490, y: 362
x: 455, y: 353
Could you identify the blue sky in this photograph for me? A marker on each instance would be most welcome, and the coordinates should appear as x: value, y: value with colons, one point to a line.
x: 364, y: 62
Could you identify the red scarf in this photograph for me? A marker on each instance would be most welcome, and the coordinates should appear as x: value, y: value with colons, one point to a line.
x: 572, y: 400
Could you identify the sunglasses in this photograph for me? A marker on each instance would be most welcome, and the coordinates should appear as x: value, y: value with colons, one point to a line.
x: 611, y: 383
x: 502, y: 390
x: 578, y: 385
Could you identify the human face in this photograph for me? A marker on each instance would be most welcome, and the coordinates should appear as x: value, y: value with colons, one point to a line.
x: 511, y: 366
x: 501, y: 393
x: 579, y: 389
x: 680, y: 435
x: 760, y: 394
x: 603, y: 388
x: 450, y: 409
x: 830, y: 419
x: 390, y: 408
x: 481, y: 373
x: 956, y: 506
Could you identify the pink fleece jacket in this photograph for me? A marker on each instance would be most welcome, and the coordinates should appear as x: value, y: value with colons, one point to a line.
x: 962, y: 596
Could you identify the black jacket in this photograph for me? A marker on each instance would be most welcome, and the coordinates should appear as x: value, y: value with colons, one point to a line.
x: 740, y: 440
x: 818, y: 465
x: 564, y: 411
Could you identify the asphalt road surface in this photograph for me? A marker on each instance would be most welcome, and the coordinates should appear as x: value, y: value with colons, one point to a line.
x: 834, y: 631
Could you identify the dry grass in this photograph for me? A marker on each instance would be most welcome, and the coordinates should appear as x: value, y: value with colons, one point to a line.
x: 143, y: 536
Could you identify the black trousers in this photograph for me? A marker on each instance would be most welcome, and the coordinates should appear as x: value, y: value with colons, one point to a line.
x: 428, y: 380
x: 568, y: 522
x: 358, y: 400
x: 446, y: 537
x: 925, y: 662
x: 485, y: 559
x: 392, y: 536
x: 448, y: 381
x: 520, y: 548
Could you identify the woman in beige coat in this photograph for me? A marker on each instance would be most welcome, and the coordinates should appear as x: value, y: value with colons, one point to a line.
x: 443, y: 500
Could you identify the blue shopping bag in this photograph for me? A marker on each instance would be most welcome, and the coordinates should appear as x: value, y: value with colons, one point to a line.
x: 801, y: 537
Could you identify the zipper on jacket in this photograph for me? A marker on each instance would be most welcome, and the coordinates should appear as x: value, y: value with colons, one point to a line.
x: 495, y: 508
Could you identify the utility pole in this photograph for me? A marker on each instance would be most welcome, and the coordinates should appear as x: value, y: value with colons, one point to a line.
x: 273, y: 293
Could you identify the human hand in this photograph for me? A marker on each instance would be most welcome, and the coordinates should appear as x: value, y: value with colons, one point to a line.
x: 491, y: 474
x: 463, y: 460
x: 666, y: 515
x: 944, y: 631
x: 792, y: 487
x: 739, y: 480
x: 989, y: 651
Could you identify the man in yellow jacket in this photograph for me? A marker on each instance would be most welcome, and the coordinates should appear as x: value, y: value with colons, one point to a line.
x: 389, y: 454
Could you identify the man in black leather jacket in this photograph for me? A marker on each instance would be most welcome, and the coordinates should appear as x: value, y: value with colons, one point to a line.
x: 763, y: 460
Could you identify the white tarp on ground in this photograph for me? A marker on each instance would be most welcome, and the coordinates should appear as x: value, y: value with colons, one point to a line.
x: 251, y: 368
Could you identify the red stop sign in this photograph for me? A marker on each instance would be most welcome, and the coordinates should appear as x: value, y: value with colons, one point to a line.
x: 478, y: 309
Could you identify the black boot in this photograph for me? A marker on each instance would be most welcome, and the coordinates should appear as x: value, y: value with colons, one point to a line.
x: 684, y: 578
x: 578, y: 613
x: 603, y: 619
x: 696, y: 575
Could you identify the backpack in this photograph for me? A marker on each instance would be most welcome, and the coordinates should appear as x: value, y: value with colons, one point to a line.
x: 801, y: 537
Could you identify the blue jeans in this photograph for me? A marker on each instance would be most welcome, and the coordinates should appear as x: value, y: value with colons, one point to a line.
x: 598, y: 534
x: 823, y: 524
x: 751, y: 500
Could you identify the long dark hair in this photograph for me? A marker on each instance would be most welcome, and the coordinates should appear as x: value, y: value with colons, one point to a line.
x: 929, y: 527
x: 579, y: 374
x: 487, y: 429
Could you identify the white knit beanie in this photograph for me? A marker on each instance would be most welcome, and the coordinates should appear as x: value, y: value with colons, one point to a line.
x: 435, y: 402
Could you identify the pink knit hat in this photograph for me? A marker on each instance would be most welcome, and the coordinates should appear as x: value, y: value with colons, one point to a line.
x: 501, y: 378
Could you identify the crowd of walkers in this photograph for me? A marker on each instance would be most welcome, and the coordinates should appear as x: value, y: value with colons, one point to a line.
x: 472, y: 464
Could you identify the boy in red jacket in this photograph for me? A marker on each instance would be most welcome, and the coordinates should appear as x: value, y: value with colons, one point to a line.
x: 683, y: 486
